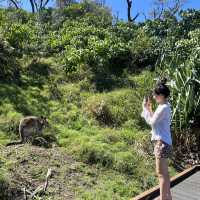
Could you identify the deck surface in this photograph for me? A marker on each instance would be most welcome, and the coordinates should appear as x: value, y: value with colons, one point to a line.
x: 189, y: 189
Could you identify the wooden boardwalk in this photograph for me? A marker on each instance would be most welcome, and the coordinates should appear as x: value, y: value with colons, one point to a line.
x: 184, y: 186
x: 189, y: 189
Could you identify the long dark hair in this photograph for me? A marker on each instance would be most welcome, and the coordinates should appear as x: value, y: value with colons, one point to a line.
x: 161, y: 88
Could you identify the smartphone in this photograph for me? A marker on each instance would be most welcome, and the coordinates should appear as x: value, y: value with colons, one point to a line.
x: 149, y: 97
x: 146, y: 98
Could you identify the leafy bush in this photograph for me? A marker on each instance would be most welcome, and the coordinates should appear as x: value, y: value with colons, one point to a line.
x: 38, y: 68
x: 9, y: 67
x: 105, y: 54
x: 4, y: 184
x: 19, y: 35
x: 120, y: 106
x: 101, y: 112
x: 182, y: 67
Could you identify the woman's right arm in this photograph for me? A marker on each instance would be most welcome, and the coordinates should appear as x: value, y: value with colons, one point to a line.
x: 153, y: 118
x: 146, y: 112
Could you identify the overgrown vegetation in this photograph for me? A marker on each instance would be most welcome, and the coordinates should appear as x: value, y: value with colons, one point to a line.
x: 88, y: 72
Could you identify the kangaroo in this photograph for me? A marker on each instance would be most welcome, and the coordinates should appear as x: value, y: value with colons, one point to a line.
x: 29, y: 127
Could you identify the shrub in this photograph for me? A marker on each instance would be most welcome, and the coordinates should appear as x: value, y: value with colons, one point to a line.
x: 100, y: 111
x: 38, y: 68
x: 120, y: 106
x: 54, y: 91
x: 4, y: 184
x: 9, y: 67
x: 19, y: 35
x: 96, y: 154
x: 125, y: 163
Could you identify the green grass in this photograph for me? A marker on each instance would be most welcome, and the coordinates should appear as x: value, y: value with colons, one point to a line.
x: 114, y: 153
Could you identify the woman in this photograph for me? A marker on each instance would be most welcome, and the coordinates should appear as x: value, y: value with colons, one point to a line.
x: 161, y: 136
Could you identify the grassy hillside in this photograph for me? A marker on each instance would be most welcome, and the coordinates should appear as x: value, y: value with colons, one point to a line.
x: 101, y: 132
x: 88, y: 72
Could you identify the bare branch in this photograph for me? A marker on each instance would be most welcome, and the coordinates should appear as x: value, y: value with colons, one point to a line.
x: 25, y: 196
x: 161, y: 6
x: 15, y: 3
x: 45, y: 4
x: 63, y: 3
x: 49, y: 173
x: 38, y: 5
x: 176, y: 7
x: 136, y: 17
x: 41, y: 2
x: 145, y: 17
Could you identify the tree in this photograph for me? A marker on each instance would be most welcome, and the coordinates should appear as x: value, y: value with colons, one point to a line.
x: 130, y: 19
x: 161, y: 6
x: 14, y: 3
x: 38, y: 5
x: 100, y: 2
x: 9, y: 66
x: 63, y: 3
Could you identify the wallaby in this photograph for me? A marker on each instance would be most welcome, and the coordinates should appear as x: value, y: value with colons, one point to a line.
x: 29, y: 127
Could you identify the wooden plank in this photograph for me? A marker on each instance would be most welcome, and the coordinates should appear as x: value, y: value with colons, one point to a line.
x: 188, y: 188
x: 155, y: 191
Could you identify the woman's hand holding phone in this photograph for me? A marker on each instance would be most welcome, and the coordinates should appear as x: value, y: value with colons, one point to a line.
x: 148, y: 104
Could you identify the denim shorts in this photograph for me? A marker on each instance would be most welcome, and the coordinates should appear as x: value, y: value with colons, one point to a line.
x: 162, y: 149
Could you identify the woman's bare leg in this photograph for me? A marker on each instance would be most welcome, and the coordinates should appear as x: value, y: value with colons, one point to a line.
x: 164, y: 179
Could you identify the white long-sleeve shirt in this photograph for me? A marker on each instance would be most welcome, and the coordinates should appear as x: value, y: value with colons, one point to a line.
x: 160, y: 122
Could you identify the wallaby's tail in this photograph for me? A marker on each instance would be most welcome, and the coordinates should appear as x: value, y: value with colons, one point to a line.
x: 14, y: 143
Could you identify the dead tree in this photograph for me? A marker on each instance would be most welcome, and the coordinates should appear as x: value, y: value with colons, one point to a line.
x: 172, y: 7
x: 64, y: 3
x: 130, y: 19
x: 13, y: 3
x: 100, y: 2
x: 38, y: 5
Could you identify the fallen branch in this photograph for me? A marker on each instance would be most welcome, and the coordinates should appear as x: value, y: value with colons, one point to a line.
x: 42, y: 188
x: 25, y: 196
x: 38, y: 190
x: 49, y: 172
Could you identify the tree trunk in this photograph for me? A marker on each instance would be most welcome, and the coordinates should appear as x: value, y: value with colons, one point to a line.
x: 129, y: 3
x: 32, y: 6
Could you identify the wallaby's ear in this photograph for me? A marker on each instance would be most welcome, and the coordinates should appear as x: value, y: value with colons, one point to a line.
x: 41, y: 117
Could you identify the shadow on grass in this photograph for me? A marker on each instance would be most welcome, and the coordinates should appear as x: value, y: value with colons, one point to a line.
x: 22, y: 102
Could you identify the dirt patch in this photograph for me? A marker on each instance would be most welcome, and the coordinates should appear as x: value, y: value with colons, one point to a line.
x: 28, y: 165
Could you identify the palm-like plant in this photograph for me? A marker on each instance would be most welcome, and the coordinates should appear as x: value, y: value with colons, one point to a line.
x: 185, y: 96
x: 184, y: 71
x: 185, y: 99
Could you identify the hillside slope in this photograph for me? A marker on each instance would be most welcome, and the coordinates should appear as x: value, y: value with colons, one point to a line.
x: 97, y: 146
x: 88, y: 72
x: 27, y: 168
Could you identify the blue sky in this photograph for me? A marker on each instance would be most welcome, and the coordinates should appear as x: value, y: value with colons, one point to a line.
x: 119, y: 7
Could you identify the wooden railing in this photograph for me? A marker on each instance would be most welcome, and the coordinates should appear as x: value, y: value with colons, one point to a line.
x: 154, y: 192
